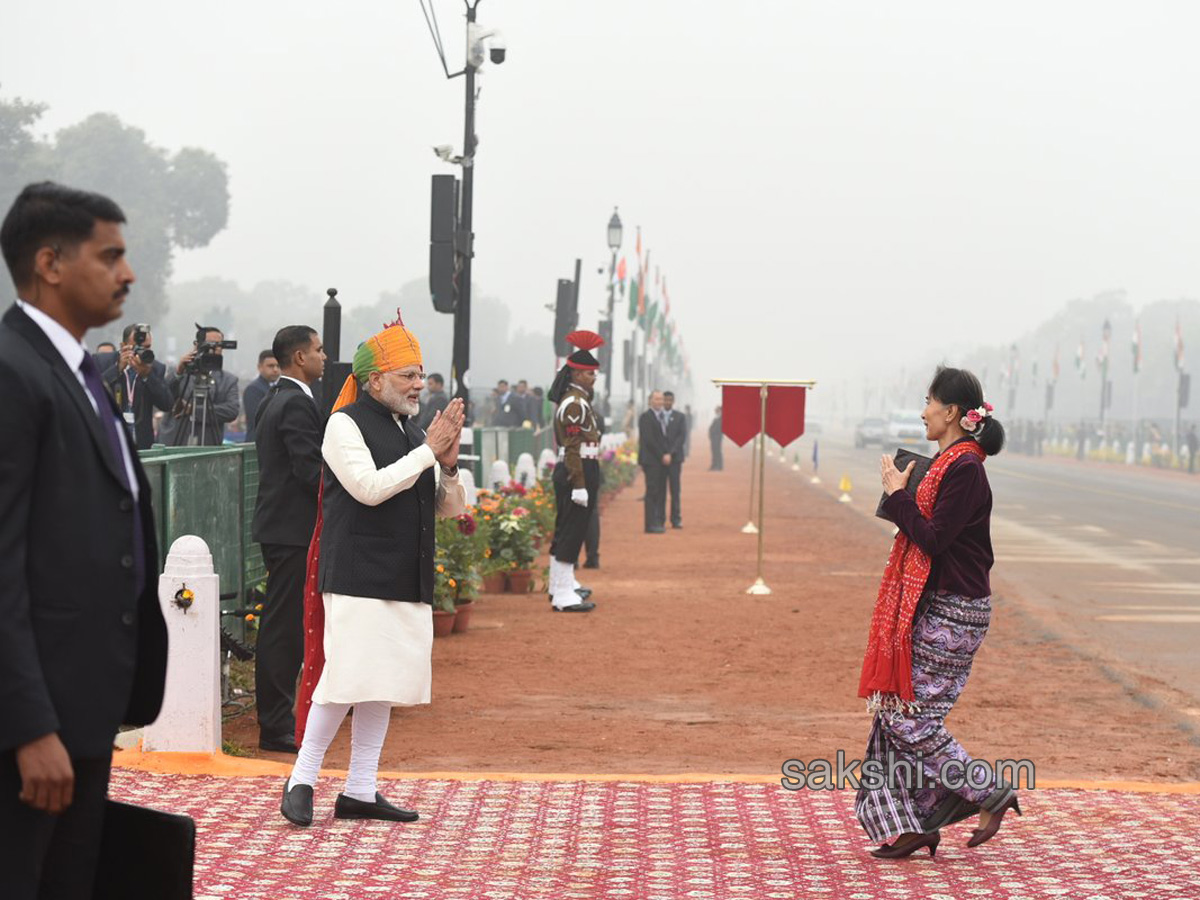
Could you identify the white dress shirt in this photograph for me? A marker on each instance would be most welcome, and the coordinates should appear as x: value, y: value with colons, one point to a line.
x: 304, y: 387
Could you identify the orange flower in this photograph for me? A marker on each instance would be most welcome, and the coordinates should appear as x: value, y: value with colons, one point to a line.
x: 453, y: 583
x: 441, y: 569
x: 250, y: 617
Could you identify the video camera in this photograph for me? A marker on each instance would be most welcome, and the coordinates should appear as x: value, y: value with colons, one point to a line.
x: 144, y: 355
x: 207, y: 360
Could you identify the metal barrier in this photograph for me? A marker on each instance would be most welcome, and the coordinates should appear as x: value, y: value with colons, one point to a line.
x: 210, y: 492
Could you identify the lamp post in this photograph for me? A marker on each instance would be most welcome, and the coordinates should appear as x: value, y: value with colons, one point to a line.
x: 1106, y: 335
x: 614, y: 244
x: 481, y: 44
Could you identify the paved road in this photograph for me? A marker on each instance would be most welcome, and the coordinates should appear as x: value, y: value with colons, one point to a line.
x: 1109, y: 556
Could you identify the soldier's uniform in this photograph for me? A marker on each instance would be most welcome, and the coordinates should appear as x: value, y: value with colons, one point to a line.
x: 577, y: 475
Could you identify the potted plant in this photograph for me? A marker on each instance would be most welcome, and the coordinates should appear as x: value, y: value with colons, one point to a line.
x: 456, y: 570
x: 512, y: 543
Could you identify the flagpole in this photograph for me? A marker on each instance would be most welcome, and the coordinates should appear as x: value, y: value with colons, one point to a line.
x: 750, y: 527
x: 760, y: 587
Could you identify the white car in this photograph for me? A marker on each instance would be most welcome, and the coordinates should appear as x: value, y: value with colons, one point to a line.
x: 905, y: 429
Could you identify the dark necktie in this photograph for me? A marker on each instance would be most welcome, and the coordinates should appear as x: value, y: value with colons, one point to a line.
x: 108, y: 420
x: 662, y: 420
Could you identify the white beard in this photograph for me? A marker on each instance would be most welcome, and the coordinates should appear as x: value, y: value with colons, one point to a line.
x: 397, y: 402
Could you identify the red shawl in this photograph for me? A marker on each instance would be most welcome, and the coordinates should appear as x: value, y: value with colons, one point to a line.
x: 314, y: 626
x: 886, y: 680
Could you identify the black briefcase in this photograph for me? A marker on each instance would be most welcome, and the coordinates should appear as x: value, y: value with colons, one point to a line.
x: 145, y: 854
x: 920, y: 470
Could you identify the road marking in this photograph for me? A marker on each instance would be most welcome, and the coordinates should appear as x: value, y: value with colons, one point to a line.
x: 1135, y: 499
x: 1176, y: 587
x: 1177, y: 609
x: 1163, y: 620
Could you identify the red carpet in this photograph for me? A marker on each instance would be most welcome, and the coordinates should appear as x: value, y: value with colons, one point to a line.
x: 566, y: 840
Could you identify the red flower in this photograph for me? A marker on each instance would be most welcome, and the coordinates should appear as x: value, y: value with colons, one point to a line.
x: 466, y: 524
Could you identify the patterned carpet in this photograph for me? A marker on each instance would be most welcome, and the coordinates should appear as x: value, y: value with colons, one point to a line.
x: 652, y: 841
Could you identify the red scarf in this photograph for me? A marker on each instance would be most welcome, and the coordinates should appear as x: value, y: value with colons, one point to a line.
x: 886, y: 680
x: 314, y: 625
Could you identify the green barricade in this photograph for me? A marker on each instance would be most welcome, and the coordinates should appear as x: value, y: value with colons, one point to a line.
x: 210, y: 492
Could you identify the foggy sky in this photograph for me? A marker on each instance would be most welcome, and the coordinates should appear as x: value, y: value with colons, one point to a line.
x: 820, y: 182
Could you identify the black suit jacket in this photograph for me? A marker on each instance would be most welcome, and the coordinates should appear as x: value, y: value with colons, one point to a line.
x: 80, y: 652
x: 252, y: 397
x: 652, y: 443
x: 149, y: 393
x: 288, y: 437
x: 677, y: 432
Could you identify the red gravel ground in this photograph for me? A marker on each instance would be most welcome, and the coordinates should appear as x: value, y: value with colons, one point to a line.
x: 679, y: 671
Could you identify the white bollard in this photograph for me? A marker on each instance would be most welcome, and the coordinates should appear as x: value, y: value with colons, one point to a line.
x: 190, y: 721
x: 467, y: 479
x: 500, y: 475
x: 526, y: 470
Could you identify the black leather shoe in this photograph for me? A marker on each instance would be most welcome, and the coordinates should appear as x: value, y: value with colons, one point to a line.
x: 676, y: 524
x: 349, y: 808
x: 583, y: 592
x: 592, y: 564
x: 285, y: 744
x: 656, y: 529
x: 585, y: 606
x: 297, y: 804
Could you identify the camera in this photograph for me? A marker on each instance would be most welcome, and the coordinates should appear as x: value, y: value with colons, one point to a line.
x: 207, y: 360
x: 497, y: 52
x: 141, y: 353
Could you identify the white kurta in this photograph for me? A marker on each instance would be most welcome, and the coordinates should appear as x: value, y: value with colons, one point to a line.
x: 378, y: 649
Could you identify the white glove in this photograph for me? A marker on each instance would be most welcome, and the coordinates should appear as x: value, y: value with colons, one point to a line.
x: 579, y: 495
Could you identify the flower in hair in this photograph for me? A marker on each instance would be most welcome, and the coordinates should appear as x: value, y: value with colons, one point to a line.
x: 973, y: 420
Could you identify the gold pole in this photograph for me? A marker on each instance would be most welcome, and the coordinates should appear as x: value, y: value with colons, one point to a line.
x: 750, y: 527
x: 760, y: 586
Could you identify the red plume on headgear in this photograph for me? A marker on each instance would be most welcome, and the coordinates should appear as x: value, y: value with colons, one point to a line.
x: 399, y: 320
x: 585, y: 340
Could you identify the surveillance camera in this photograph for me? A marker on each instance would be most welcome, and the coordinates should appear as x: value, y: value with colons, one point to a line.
x: 443, y: 151
x: 497, y: 47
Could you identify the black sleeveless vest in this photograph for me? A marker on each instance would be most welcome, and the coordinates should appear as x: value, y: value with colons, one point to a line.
x: 383, y: 551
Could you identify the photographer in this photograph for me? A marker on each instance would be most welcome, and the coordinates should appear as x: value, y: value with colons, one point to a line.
x: 205, y: 395
x: 137, y: 381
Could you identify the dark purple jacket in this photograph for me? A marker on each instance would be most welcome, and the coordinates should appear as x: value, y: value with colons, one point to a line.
x: 958, y: 536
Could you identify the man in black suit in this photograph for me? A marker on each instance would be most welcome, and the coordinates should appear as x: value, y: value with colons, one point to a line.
x: 654, y: 457
x: 678, y: 427
x: 289, y: 431
x: 83, y: 645
x: 138, y: 385
x: 435, y: 402
x: 256, y: 391
x: 715, y: 437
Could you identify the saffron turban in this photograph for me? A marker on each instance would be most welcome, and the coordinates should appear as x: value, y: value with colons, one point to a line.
x: 393, y: 348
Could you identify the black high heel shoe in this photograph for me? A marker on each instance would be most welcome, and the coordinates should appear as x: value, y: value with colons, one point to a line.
x: 979, y: 835
x: 908, y: 848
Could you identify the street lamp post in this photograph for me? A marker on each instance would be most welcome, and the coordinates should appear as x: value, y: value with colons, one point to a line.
x: 614, y: 244
x: 1106, y: 335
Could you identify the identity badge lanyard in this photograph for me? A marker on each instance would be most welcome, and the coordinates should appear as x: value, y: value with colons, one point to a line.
x: 130, y: 389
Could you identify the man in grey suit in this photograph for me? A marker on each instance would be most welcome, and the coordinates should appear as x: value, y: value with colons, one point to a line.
x: 204, y: 423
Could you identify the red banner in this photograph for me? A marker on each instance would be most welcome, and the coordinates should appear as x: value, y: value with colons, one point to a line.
x: 741, y: 412
x: 785, y: 413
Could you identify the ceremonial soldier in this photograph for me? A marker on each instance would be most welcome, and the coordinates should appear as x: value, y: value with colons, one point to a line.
x: 577, y: 475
